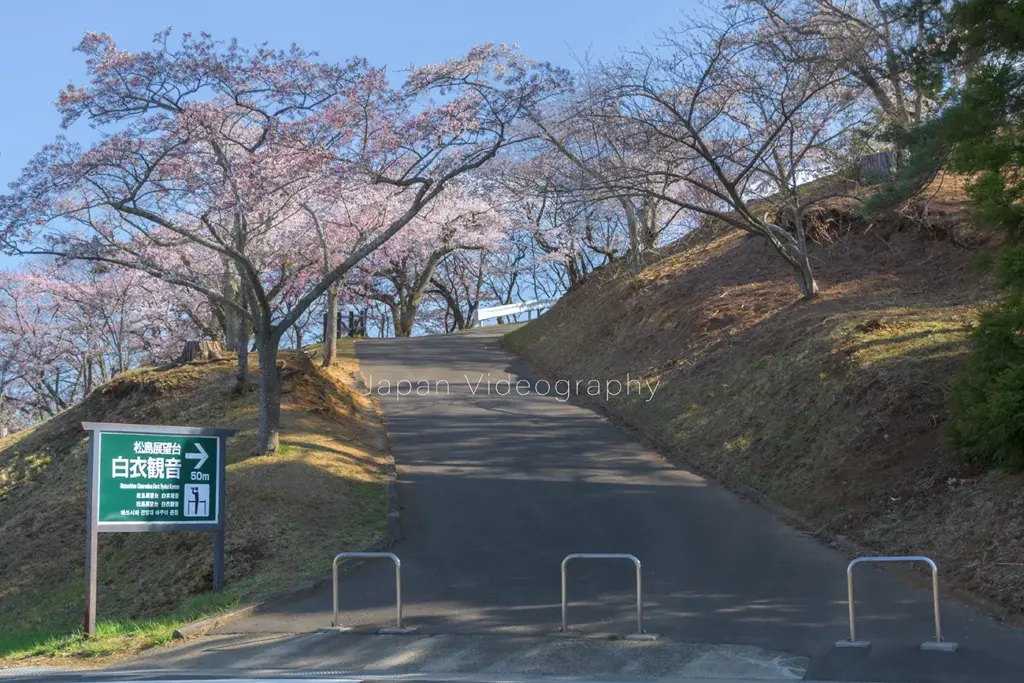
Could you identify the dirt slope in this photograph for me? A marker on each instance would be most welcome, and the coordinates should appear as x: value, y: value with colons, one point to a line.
x: 833, y: 407
x: 286, y: 514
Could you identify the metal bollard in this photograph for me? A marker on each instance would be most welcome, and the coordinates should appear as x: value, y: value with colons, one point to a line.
x: 640, y: 634
x: 937, y: 644
x: 398, y: 589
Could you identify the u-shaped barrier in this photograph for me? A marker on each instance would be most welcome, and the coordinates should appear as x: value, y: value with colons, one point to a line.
x: 640, y: 634
x: 938, y: 643
x: 398, y: 588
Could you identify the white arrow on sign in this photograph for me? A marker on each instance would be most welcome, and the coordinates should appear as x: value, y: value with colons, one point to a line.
x: 201, y: 456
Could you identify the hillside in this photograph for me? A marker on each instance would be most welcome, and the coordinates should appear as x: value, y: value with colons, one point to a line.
x: 832, y: 408
x: 287, y: 515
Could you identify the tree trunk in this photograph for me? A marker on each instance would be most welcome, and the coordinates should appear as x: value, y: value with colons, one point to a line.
x: 452, y: 305
x: 200, y: 350
x: 458, y: 320
x: 405, y: 321
x: 241, y: 337
x: 230, y: 316
x: 331, y: 329
x: 396, y: 318
x: 794, y: 250
x: 231, y: 327
x: 88, y: 375
x: 267, y: 433
x: 805, y: 277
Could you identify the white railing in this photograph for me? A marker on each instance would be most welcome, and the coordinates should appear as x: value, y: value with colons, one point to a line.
x: 512, y: 309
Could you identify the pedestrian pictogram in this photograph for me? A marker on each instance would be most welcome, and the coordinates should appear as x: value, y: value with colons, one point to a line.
x: 197, y: 502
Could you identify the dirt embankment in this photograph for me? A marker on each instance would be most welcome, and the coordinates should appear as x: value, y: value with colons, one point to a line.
x: 834, y: 407
x: 325, y: 488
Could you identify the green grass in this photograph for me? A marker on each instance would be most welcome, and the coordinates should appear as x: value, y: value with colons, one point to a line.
x: 925, y: 334
x: 343, y: 348
x: 114, y: 636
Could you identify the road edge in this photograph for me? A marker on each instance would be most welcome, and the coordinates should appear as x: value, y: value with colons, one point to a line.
x: 393, y: 516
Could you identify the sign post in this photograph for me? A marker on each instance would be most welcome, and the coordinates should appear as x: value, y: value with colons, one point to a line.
x: 153, y: 478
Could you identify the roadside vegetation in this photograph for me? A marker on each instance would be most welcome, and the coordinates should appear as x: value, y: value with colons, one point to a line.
x: 324, y: 488
x: 979, y: 134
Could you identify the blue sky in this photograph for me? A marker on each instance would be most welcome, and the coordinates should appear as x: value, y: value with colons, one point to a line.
x: 36, y: 37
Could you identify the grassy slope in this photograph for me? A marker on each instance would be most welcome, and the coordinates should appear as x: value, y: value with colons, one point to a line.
x: 287, y: 514
x: 833, y: 407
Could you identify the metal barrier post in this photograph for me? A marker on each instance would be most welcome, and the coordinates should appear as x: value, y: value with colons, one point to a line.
x: 640, y: 634
x: 937, y: 644
x: 398, y: 628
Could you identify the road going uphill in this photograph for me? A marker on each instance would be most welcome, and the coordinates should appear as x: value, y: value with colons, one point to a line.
x: 497, y: 489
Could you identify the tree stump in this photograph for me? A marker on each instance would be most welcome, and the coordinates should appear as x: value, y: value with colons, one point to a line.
x: 201, y: 350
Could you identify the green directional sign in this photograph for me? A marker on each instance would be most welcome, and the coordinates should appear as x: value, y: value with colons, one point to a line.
x: 157, y: 479
x: 153, y: 478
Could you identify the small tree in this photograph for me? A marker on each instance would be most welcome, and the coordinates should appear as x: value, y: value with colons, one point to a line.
x: 728, y: 122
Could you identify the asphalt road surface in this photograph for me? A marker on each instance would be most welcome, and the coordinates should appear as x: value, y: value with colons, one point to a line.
x: 497, y: 490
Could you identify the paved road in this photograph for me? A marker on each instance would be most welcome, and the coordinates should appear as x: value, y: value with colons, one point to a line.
x: 444, y: 657
x: 498, y: 489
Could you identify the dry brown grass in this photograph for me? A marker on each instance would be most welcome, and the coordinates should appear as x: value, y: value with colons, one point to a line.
x: 832, y: 407
x: 287, y: 514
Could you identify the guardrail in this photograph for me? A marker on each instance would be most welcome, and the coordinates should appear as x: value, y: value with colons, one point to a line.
x: 640, y: 634
x: 938, y: 643
x: 511, y: 309
x: 398, y: 589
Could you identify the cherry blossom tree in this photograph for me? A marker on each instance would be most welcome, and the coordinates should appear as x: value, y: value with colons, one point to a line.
x: 67, y: 328
x: 122, y: 318
x: 24, y: 360
x: 399, y: 273
x: 209, y: 152
x: 572, y: 231
x: 733, y: 125
x: 47, y: 342
x: 597, y: 147
x: 457, y: 287
x: 360, y: 212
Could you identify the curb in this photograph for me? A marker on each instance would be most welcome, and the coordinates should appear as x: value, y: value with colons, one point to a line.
x: 393, y: 535
x: 201, y: 626
x: 393, y: 501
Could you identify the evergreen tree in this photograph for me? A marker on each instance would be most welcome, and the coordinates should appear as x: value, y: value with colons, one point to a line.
x: 980, y: 133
